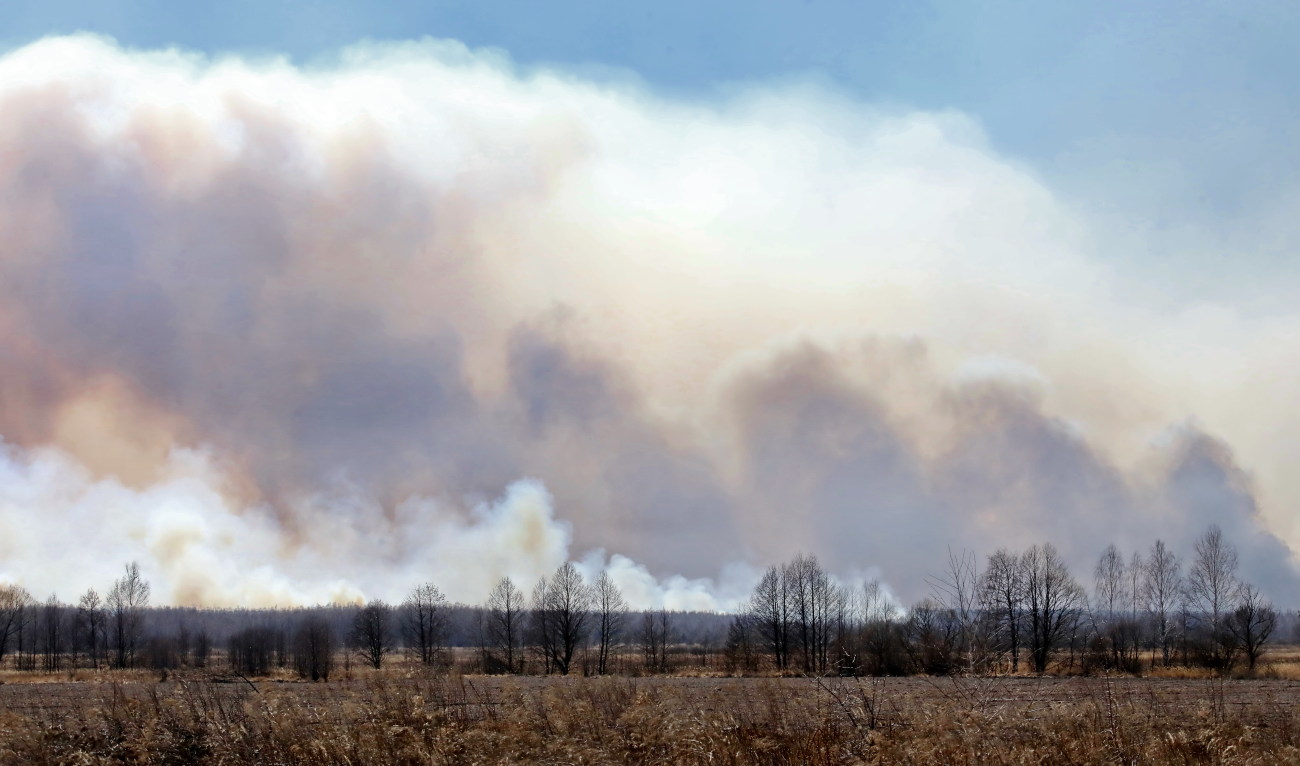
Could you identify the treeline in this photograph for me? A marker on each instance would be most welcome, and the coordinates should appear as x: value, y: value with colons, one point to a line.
x: 1012, y: 612
x: 562, y: 625
x: 106, y: 631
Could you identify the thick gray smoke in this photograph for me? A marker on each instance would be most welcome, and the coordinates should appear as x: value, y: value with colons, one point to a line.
x: 291, y: 334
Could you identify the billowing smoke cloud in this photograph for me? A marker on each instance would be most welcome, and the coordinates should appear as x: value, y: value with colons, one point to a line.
x: 299, y: 334
x: 208, y: 552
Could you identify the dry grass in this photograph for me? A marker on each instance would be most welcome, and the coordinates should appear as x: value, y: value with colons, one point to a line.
x: 462, y: 720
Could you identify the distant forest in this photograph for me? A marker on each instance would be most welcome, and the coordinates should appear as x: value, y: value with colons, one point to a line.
x: 1013, y: 612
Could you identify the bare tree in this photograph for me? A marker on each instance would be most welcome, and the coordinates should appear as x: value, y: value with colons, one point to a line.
x: 14, y: 601
x: 1053, y: 600
x: 656, y: 633
x: 770, y: 606
x: 126, y: 604
x: 424, y: 622
x: 844, y: 630
x: 25, y: 635
x: 52, y: 637
x: 611, y: 612
x: 90, y: 626
x: 957, y: 590
x: 811, y: 607
x: 1252, y: 623
x: 372, y: 632
x: 1110, y: 582
x: 933, y: 634
x: 313, y: 648
x: 879, y: 630
x: 541, y: 627
x: 1110, y: 608
x: 1162, y: 588
x: 741, y: 649
x: 505, y: 622
x: 1002, y: 589
x: 1212, y: 590
x: 202, y: 648
x: 1137, y: 568
x: 562, y: 615
x: 252, y: 651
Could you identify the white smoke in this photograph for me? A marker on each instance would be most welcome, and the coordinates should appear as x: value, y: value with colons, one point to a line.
x: 62, y: 531
x: 282, y: 334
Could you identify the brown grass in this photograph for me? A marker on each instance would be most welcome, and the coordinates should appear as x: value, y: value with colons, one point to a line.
x: 477, y: 720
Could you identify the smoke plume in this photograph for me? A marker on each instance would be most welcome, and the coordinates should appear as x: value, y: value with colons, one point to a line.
x: 293, y: 334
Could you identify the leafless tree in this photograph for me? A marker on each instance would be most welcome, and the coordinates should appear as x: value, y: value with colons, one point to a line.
x: 770, y: 606
x: 1162, y: 588
x: 52, y: 636
x: 1110, y: 582
x: 562, y: 616
x: 313, y: 648
x: 812, y: 605
x: 541, y: 627
x: 1137, y: 568
x: 372, y: 632
x: 505, y: 622
x: 90, y: 626
x: 1002, y: 589
x: 184, y: 642
x: 656, y: 634
x: 202, y: 648
x: 14, y: 602
x: 845, y: 630
x: 741, y: 648
x: 1053, y: 600
x: 611, y: 612
x: 424, y: 622
x: 1137, y: 572
x: 126, y: 608
x: 879, y: 630
x: 1252, y: 623
x: 957, y: 590
x: 25, y: 636
x: 1212, y: 578
x: 252, y: 651
x: 933, y: 638
x: 1112, y: 621
x: 1212, y: 590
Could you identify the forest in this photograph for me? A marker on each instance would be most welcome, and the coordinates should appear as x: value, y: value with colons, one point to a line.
x: 1009, y: 613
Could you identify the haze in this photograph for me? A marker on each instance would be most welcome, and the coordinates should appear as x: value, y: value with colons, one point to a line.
x: 291, y: 332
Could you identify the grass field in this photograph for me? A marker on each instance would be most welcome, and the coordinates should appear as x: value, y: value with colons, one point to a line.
x: 398, y: 719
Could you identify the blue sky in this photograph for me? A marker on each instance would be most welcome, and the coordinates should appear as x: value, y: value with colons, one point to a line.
x: 1160, y: 116
x: 1041, y: 75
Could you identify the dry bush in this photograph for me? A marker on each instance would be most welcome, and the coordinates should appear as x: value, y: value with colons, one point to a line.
x: 464, y: 720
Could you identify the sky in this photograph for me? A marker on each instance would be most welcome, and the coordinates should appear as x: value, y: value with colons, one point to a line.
x: 635, y: 277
